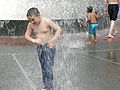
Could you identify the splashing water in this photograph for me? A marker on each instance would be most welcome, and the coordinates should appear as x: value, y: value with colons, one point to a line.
x: 72, y: 41
x: 77, y: 44
x: 66, y: 62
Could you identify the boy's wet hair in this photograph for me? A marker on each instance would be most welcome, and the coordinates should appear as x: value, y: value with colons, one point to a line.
x: 33, y: 11
x: 89, y: 9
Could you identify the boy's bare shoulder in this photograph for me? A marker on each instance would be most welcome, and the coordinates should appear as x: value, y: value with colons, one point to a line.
x: 46, y: 20
x: 92, y: 14
x: 88, y: 14
x: 30, y: 26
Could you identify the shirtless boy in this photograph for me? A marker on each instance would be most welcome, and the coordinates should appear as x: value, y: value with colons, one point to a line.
x: 46, y: 43
x: 93, y: 25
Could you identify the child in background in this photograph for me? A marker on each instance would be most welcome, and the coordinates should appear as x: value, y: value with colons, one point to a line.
x: 93, y: 25
x: 113, y: 9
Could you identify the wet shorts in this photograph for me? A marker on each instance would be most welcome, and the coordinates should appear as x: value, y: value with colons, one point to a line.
x: 113, y: 11
x: 92, y: 28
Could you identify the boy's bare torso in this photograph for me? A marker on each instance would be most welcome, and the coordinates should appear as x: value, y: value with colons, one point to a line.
x: 113, y: 1
x: 42, y: 31
x: 92, y: 17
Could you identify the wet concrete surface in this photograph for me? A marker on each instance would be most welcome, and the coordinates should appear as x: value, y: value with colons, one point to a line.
x: 82, y: 67
x: 78, y: 66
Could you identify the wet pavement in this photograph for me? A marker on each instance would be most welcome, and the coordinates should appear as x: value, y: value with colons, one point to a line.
x: 78, y: 66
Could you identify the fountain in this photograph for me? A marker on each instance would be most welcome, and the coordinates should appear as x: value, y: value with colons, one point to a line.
x: 70, y: 16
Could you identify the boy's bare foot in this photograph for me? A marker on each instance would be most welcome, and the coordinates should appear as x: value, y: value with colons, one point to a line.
x: 110, y: 36
x: 115, y: 33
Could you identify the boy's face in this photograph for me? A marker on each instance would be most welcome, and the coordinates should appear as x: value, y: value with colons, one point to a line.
x: 34, y: 19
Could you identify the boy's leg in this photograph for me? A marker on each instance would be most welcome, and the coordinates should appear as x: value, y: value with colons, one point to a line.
x: 110, y: 12
x: 90, y: 34
x: 94, y: 31
x: 112, y: 24
x: 47, y: 57
x: 115, y: 16
x: 113, y: 12
x: 95, y: 40
x: 39, y: 51
x: 89, y: 41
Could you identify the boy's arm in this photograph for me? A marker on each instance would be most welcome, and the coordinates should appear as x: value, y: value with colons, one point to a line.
x: 55, y: 27
x: 28, y: 34
x: 96, y: 15
x: 88, y: 18
x: 105, y: 6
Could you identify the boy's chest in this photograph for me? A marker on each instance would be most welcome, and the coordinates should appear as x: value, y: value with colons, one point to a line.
x: 41, y: 28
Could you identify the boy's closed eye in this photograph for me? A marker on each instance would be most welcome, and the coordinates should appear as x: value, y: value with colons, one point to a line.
x: 32, y: 20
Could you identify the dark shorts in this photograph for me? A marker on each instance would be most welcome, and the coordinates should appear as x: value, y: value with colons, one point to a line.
x: 113, y: 11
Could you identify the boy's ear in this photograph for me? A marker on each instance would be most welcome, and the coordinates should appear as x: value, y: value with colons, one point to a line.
x: 37, y: 15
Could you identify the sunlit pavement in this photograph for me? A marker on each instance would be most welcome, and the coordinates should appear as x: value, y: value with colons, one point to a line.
x: 78, y: 66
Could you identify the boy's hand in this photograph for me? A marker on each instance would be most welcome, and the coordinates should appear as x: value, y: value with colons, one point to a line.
x: 38, y: 41
x: 51, y: 43
x: 96, y: 12
x: 86, y: 24
x: 105, y: 11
